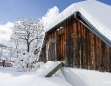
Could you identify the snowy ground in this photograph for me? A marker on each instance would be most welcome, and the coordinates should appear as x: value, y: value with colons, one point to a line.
x: 76, y: 77
x: 82, y: 77
x: 10, y: 78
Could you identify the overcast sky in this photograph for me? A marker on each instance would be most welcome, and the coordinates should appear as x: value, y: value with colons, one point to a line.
x: 46, y: 10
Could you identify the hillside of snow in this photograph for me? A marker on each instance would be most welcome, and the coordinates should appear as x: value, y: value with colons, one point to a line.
x: 1, y: 45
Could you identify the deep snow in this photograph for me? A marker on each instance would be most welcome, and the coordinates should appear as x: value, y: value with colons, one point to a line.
x: 74, y: 76
x: 46, y: 68
x: 10, y: 78
x: 82, y: 77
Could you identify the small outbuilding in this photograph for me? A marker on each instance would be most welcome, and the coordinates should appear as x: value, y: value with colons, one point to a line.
x: 80, y: 36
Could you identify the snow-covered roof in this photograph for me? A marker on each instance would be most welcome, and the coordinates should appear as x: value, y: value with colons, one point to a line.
x: 97, y: 13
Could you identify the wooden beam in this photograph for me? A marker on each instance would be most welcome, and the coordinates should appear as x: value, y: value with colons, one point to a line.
x: 54, y: 70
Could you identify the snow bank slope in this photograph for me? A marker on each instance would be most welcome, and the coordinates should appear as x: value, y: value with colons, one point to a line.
x: 46, y: 68
x: 11, y: 78
x: 81, y: 77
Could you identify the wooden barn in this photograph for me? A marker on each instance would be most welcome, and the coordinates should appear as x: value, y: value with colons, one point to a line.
x: 75, y: 37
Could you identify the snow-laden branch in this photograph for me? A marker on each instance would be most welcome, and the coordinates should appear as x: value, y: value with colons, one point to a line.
x: 28, y: 33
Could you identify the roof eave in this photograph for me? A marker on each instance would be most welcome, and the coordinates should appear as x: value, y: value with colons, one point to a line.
x: 92, y: 28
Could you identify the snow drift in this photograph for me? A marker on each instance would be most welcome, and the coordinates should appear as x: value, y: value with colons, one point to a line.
x: 82, y: 77
x: 46, y: 68
x: 11, y: 78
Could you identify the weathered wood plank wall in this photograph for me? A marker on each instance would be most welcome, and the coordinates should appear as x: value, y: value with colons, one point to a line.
x: 79, y: 47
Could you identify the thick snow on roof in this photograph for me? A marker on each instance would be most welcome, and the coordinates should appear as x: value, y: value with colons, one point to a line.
x: 97, y: 13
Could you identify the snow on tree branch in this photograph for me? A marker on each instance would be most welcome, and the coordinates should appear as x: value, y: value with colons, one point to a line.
x: 28, y: 33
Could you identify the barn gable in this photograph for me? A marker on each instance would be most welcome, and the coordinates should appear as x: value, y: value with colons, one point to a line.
x: 77, y: 40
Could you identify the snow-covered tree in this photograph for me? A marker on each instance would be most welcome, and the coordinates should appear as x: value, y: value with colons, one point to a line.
x: 27, y: 36
x: 26, y: 31
x: 11, y: 52
x: 1, y: 50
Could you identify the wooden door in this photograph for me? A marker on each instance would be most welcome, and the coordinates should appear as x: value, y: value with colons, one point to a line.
x: 51, y: 51
x: 69, y: 52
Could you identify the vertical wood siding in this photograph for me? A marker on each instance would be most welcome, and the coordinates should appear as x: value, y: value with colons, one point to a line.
x: 79, y: 47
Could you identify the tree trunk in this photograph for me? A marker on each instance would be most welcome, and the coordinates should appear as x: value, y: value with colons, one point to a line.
x: 28, y: 47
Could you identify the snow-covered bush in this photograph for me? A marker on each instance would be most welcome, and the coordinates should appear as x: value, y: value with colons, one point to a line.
x: 25, y: 62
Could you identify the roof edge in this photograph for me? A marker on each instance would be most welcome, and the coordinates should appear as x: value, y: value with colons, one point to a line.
x: 92, y: 28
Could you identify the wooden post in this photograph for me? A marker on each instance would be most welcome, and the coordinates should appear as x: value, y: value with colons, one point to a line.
x: 54, y: 70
